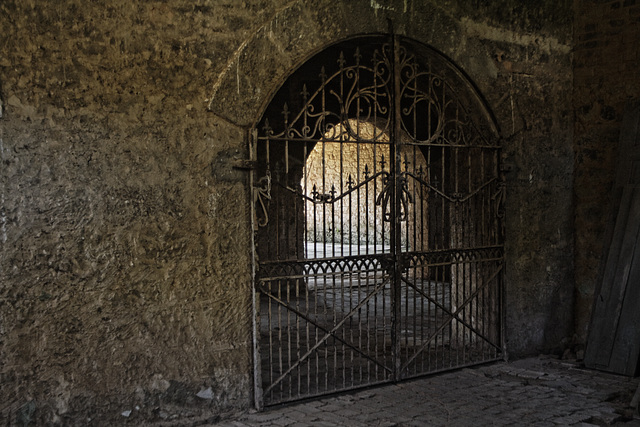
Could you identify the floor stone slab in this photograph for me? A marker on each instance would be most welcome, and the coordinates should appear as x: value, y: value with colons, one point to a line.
x: 540, y: 391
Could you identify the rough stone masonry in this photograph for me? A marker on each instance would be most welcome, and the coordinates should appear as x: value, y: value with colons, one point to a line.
x: 125, y: 232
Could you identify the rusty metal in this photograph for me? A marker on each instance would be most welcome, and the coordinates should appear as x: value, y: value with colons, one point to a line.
x: 378, y: 205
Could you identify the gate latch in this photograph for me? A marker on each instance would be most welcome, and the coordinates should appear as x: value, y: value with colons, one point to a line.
x: 244, y: 164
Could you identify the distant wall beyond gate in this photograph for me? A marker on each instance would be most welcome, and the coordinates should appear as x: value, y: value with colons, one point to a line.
x: 344, y: 165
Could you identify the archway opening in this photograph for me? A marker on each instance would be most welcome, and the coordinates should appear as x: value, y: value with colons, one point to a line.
x: 379, y: 244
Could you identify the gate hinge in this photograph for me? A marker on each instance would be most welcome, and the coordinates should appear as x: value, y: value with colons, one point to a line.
x: 245, y: 164
x: 506, y: 167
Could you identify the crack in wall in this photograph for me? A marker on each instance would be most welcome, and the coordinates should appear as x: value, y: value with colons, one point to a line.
x: 484, y: 31
x: 235, y: 57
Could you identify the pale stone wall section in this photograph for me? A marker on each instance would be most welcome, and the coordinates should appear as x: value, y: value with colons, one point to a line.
x: 358, y: 218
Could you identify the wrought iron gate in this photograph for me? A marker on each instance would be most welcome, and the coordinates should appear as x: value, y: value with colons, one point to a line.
x: 378, y: 201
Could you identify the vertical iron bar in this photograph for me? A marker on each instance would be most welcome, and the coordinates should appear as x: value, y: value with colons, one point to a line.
x: 366, y: 210
x: 500, y: 240
x: 297, y: 334
x: 335, y: 342
x: 315, y: 227
x: 342, y: 200
x: 305, y: 203
x: 440, y: 278
x: 296, y: 225
x: 315, y: 329
x: 270, y: 322
x: 350, y: 215
x: 288, y: 327
x: 280, y: 327
x: 324, y: 205
x: 358, y: 142
x: 307, y: 333
x: 395, y: 225
x: 255, y: 294
x: 374, y: 161
x: 322, y: 141
x: 480, y: 307
x: 278, y: 225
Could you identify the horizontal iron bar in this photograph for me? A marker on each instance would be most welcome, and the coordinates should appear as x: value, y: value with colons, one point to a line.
x: 321, y: 140
x: 270, y: 270
x: 371, y: 141
x: 449, y: 369
x: 327, y: 392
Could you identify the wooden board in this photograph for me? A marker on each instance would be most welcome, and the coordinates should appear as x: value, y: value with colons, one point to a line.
x: 614, y: 338
x: 614, y: 335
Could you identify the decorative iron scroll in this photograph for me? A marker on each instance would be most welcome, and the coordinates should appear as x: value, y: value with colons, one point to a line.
x: 263, y: 195
x: 384, y: 198
x: 293, y: 269
x: 433, y: 109
x: 366, y: 98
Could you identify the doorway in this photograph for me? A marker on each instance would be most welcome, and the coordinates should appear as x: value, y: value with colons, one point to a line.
x: 378, y: 204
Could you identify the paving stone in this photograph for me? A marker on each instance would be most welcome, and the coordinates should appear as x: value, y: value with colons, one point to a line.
x: 546, y: 413
x: 347, y: 413
x: 332, y: 407
x: 314, y: 403
x: 284, y: 421
x: 542, y: 424
x: 301, y: 415
x: 531, y: 374
x: 383, y: 423
x: 332, y: 417
x: 431, y: 420
x: 325, y: 424
x: 539, y: 392
x: 264, y: 416
x: 570, y: 420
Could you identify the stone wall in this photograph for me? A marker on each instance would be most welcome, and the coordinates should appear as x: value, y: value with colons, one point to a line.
x: 606, y: 63
x: 125, y: 268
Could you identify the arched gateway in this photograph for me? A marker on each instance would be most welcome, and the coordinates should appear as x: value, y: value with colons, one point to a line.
x: 377, y: 207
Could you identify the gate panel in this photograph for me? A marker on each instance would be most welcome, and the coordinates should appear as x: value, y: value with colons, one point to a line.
x: 451, y: 284
x: 328, y: 334
x: 378, y: 204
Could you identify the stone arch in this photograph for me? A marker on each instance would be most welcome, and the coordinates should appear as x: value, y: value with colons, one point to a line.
x: 295, y: 33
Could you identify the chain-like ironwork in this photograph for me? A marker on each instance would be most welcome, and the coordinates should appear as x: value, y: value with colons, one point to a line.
x: 379, y: 204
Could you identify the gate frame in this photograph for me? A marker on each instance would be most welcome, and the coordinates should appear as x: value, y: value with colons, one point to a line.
x: 258, y: 187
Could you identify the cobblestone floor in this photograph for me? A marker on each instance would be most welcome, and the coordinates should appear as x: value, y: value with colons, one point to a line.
x: 539, y: 392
